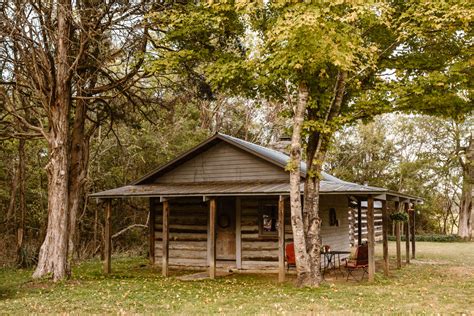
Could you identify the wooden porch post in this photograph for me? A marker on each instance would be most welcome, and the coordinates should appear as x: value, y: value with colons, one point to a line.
x: 385, y: 238
x: 398, y: 238
x: 151, y: 230
x: 407, y: 234
x: 238, y: 232
x: 281, y: 239
x: 212, y: 235
x: 359, y: 222
x: 165, y: 238
x: 412, y: 221
x: 371, y: 236
x: 108, y: 236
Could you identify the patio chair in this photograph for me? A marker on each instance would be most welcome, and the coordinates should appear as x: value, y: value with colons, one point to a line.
x: 360, y: 262
x: 290, y: 255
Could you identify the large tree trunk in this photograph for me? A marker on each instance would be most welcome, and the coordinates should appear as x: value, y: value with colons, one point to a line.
x: 54, y: 250
x: 303, y: 268
x: 315, y: 155
x: 77, y: 172
x: 466, y: 212
x: 311, y: 207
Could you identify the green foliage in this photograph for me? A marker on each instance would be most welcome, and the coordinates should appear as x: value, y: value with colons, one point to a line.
x: 399, y: 217
x: 432, y: 238
x: 395, y: 152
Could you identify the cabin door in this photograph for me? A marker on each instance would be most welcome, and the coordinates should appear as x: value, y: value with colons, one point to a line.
x: 225, y: 229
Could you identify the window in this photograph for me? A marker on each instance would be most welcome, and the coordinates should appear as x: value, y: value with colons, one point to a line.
x: 268, y: 219
x: 333, y: 217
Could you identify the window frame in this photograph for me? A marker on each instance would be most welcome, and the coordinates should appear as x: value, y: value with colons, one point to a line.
x: 261, y: 212
x: 333, y: 221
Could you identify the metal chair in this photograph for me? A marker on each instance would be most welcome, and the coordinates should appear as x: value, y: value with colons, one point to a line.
x: 361, y: 262
x: 290, y: 255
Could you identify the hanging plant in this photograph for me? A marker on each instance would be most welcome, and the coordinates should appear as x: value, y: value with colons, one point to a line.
x: 399, y: 217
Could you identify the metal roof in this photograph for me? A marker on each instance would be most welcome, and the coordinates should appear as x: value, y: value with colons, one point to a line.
x: 274, y: 156
x: 230, y: 188
x: 145, y: 186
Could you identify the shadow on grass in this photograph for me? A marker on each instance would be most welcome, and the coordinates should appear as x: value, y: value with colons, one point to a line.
x: 6, y: 293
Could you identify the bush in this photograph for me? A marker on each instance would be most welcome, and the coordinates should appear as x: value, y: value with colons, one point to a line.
x: 399, y: 217
x: 433, y: 237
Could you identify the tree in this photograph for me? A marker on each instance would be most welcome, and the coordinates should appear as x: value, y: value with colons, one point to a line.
x: 332, y: 60
x: 466, y: 210
x: 393, y: 151
x: 57, y: 62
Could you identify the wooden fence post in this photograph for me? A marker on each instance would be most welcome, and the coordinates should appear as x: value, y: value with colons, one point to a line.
x: 413, y: 242
x: 371, y: 236
x: 359, y: 222
x: 151, y: 230
x: 238, y: 232
x: 165, y: 238
x: 212, y: 235
x: 281, y: 239
x: 407, y: 235
x: 398, y: 238
x: 385, y: 238
x: 108, y: 237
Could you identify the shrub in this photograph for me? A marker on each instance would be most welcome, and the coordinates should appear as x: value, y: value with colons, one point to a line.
x: 399, y: 217
x: 432, y: 237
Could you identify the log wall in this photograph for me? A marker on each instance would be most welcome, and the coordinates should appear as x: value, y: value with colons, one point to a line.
x: 187, y: 232
x: 188, y: 221
x: 377, y: 221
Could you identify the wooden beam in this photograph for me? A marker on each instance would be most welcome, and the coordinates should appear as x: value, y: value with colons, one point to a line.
x: 393, y: 198
x: 212, y: 235
x: 108, y: 237
x: 151, y: 230
x: 407, y: 234
x: 381, y: 197
x: 413, y: 243
x: 238, y: 232
x: 281, y: 239
x: 398, y: 238
x: 165, y: 238
x: 371, y: 236
x: 359, y: 222
x: 385, y: 238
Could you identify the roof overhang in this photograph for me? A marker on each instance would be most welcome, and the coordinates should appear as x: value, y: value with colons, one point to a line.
x: 239, y: 189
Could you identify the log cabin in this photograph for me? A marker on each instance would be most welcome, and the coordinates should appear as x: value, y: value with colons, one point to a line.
x: 225, y: 204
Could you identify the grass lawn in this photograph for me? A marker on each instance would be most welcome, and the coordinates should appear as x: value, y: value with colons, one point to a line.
x: 441, y: 280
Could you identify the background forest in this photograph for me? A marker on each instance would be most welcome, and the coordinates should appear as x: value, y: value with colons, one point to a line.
x: 95, y: 94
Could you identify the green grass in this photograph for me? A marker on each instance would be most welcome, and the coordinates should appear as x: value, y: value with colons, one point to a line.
x: 441, y: 280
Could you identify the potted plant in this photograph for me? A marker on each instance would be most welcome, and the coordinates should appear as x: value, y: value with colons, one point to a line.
x: 399, y: 217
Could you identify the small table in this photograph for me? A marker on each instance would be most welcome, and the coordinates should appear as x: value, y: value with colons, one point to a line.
x: 329, y: 260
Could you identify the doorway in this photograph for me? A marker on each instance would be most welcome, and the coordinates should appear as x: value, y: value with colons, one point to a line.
x: 225, y: 229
